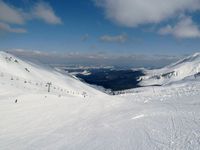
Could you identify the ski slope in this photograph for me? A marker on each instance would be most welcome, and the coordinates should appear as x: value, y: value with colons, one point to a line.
x: 28, y: 77
x: 153, y: 118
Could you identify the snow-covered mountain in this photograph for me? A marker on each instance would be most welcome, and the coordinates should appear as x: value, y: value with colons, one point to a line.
x: 188, y: 67
x: 153, y: 118
x: 21, y: 76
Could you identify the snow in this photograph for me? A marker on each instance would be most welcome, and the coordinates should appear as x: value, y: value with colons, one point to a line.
x: 165, y: 117
x: 180, y: 70
x: 36, y: 77
x: 138, y: 116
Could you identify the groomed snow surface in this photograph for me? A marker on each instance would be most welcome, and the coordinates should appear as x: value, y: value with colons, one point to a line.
x: 74, y: 116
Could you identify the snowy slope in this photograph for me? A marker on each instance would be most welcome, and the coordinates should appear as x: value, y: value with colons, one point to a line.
x: 185, y: 68
x: 22, y: 75
x: 167, y: 119
x: 149, y: 118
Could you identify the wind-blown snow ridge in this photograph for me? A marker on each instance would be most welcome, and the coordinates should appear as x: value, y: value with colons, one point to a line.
x: 188, y: 67
x: 24, y: 75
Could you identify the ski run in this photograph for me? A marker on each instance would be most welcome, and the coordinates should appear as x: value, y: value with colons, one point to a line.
x: 43, y: 109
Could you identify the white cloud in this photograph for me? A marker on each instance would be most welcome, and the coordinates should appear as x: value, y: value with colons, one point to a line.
x: 45, y: 12
x: 132, y: 13
x: 7, y: 28
x: 117, y: 38
x: 185, y: 28
x: 10, y: 14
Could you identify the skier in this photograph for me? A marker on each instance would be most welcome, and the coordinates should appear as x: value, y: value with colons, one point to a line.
x: 16, y: 101
x: 84, y: 94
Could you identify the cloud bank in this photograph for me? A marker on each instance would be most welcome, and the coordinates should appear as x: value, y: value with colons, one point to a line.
x: 134, y: 13
x: 96, y: 59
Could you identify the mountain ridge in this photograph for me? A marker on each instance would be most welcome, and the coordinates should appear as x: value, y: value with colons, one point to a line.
x: 182, y: 69
x: 24, y: 74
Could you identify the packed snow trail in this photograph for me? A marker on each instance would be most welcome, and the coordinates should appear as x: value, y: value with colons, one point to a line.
x: 107, y: 122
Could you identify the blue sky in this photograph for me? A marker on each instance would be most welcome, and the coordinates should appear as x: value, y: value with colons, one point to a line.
x: 101, y: 26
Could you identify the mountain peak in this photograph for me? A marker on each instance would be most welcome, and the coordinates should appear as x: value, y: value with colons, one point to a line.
x: 187, y: 67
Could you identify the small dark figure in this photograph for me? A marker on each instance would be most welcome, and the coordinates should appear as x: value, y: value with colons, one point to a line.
x: 49, y: 86
x: 27, y: 69
x: 16, y: 101
x: 84, y: 94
